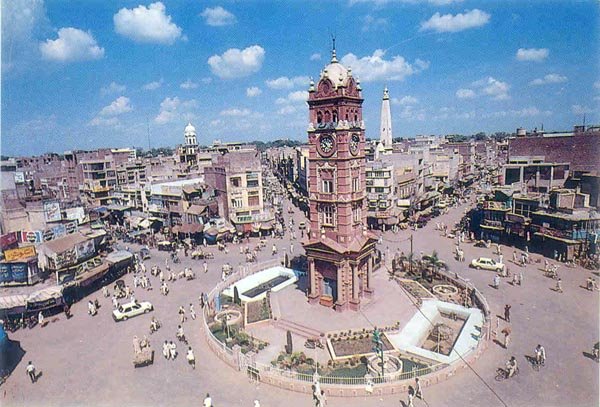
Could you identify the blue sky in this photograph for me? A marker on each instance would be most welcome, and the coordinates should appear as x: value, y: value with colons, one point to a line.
x: 89, y: 74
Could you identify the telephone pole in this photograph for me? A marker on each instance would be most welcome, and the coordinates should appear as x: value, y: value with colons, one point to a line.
x: 411, y: 254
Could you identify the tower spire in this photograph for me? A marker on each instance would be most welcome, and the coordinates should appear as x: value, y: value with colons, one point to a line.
x: 385, y: 135
x: 333, y: 54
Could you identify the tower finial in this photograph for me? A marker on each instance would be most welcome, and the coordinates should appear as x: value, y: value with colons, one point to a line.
x: 333, y: 54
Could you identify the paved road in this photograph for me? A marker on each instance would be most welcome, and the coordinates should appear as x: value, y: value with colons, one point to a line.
x: 87, y: 360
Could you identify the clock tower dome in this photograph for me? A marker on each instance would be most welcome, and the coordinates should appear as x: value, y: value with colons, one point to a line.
x: 340, y: 249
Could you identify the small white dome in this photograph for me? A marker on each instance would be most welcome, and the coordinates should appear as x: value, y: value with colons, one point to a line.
x: 189, y: 128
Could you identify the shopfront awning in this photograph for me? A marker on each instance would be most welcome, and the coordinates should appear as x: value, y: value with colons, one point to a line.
x: 560, y: 239
x: 404, y: 203
x: 16, y: 303
x: 88, y: 277
x: 488, y: 227
x: 191, y: 228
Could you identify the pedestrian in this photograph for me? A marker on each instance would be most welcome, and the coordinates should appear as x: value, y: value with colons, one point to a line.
x: 31, y: 372
x: 496, y: 281
x: 172, y: 350
x: 166, y: 350
x: 291, y: 248
x: 182, y: 316
x: 201, y: 298
x: 500, y: 259
x: 115, y: 302
x: 322, y: 399
x: 411, y: 396
x: 161, y: 276
x: 205, y: 266
x: 207, y: 400
x: 105, y: 292
x: 204, y: 242
x: 192, y: 311
x: 256, y: 403
x: 418, y: 390
x: 190, y: 357
x: 520, y: 278
x: 273, y: 250
x: 507, y: 312
x: 514, y: 256
x: 506, y: 331
x: 559, y: 286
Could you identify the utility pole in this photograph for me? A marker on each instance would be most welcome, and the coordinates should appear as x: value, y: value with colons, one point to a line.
x: 411, y: 254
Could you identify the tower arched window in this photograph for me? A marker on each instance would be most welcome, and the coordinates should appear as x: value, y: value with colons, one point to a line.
x: 319, y: 117
x: 335, y: 116
x: 327, y: 116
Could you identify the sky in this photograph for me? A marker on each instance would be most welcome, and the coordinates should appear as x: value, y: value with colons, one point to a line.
x: 90, y: 74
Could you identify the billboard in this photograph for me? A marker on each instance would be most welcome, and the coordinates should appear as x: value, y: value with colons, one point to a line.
x: 75, y: 214
x: 20, y: 253
x: 31, y: 236
x: 8, y: 240
x: 85, y: 249
x: 19, y: 177
x: 52, y: 211
x: 13, y: 272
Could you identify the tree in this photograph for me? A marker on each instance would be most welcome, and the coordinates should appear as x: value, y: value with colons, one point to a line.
x: 289, y: 347
x: 236, y: 296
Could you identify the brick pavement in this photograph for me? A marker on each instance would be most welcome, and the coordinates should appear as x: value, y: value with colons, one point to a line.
x: 88, y: 361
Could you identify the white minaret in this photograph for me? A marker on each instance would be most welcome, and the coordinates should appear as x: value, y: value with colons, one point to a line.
x: 385, y: 136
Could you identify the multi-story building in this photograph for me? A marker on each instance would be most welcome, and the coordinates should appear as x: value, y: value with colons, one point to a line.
x: 99, y: 180
x: 382, y: 208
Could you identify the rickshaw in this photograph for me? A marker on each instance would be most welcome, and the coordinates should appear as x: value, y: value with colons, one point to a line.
x: 143, y: 355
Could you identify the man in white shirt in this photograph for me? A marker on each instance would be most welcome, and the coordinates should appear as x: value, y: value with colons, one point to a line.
x: 207, y: 401
x: 31, y: 372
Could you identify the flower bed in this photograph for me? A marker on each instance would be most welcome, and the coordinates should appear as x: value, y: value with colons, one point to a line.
x: 258, y: 311
x: 356, y: 343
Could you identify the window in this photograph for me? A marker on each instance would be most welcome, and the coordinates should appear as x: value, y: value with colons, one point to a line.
x: 236, y: 182
x: 356, y: 214
x: 327, y: 186
x: 236, y: 202
x: 253, y: 200
x: 328, y: 214
x: 252, y: 183
x: 356, y: 184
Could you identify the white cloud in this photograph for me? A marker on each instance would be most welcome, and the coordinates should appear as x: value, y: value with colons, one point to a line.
x: 243, y: 113
x: 104, y: 121
x: 412, y: 113
x: 286, y: 110
x: 375, y: 67
x: 384, y: 2
x: 293, y: 97
x: 532, y: 54
x: 283, y: 82
x: 72, y: 44
x: 550, y: 78
x: 112, y: 88
x: 489, y: 86
x: 597, y: 84
x: 315, y: 57
x: 175, y: 109
x: 405, y: 100
x: 253, y: 91
x: 454, y: 23
x: 119, y: 106
x: 371, y: 23
x: 465, y: 94
x: 236, y: 63
x: 218, y: 16
x: 188, y: 84
x: 581, y: 109
x: 530, y: 111
x: 206, y: 80
x: 153, y: 85
x: 147, y: 24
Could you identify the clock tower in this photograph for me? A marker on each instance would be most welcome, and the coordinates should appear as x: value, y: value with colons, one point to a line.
x: 339, y: 248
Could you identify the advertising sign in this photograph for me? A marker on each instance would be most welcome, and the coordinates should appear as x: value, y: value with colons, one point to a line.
x: 5, y: 272
x: 31, y: 236
x: 19, y: 272
x: 8, y: 240
x: 19, y: 177
x: 52, y: 211
x: 75, y: 214
x: 85, y: 249
x: 64, y: 259
x: 20, y: 253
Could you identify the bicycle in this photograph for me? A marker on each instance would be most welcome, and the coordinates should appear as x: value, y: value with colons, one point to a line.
x: 502, y: 373
x: 537, y: 365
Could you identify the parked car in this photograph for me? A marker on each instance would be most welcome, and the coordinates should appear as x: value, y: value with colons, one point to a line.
x: 165, y: 245
x: 131, y: 309
x: 487, y: 264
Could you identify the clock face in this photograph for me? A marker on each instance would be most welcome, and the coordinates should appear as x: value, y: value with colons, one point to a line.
x: 326, y: 144
x: 354, y: 142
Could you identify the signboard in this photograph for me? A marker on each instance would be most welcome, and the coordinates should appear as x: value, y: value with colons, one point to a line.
x: 13, y: 272
x: 75, y: 214
x: 8, y: 240
x: 19, y: 272
x: 19, y: 177
x: 5, y: 272
x: 31, y: 236
x: 85, y: 249
x: 20, y: 253
x: 52, y: 211
x: 64, y: 259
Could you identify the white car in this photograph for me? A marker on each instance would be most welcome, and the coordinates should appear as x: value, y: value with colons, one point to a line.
x: 131, y: 309
x: 487, y: 264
